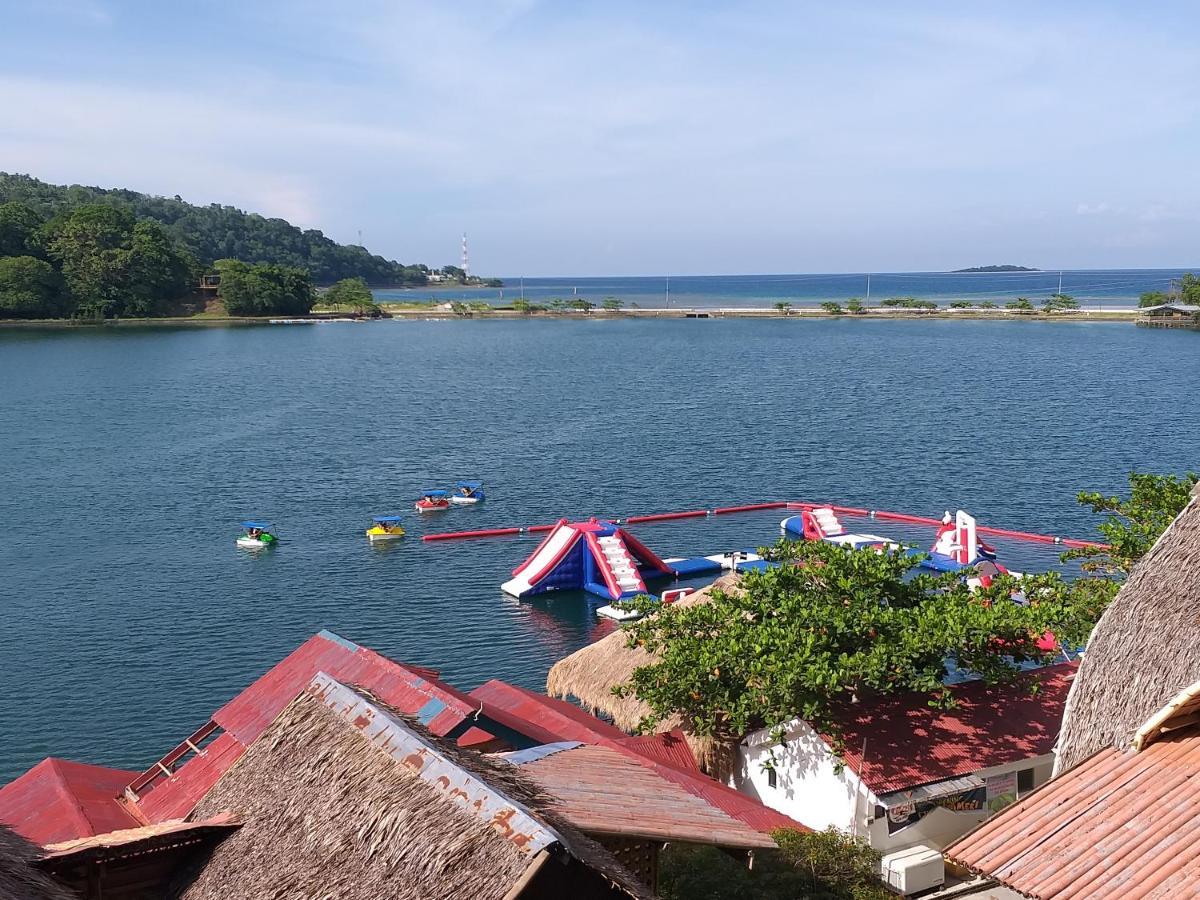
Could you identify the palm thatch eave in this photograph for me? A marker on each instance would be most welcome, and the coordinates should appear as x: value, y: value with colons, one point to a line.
x: 1143, y: 651
x: 590, y: 674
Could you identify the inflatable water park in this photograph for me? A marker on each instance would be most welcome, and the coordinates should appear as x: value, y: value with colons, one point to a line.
x: 603, y: 558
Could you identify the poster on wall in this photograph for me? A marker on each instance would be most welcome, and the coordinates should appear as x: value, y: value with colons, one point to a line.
x: 1001, y: 790
x: 901, y: 815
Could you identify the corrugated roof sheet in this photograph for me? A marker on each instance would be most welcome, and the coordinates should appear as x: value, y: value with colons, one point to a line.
x: 564, y: 721
x: 909, y: 743
x: 667, y: 754
x: 59, y: 800
x: 439, y: 707
x: 603, y: 791
x: 1118, y: 825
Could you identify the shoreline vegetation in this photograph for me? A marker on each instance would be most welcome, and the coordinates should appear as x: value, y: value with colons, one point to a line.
x: 479, y: 311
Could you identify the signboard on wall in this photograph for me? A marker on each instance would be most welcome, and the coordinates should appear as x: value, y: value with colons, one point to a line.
x: 902, y: 814
x: 1001, y: 790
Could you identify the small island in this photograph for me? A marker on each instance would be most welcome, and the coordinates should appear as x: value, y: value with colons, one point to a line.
x: 995, y: 269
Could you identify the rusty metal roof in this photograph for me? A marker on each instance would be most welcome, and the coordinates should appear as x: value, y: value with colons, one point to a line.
x: 909, y: 743
x: 1121, y: 824
x: 667, y: 753
x: 602, y: 791
x: 58, y: 800
x: 445, y: 711
x: 562, y: 720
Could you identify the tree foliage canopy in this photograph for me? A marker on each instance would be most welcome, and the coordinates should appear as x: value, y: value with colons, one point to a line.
x: 31, y: 288
x: 217, y: 232
x: 832, y: 624
x: 350, y: 293
x: 822, y: 865
x: 1132, y: 526
x: 264, y: 289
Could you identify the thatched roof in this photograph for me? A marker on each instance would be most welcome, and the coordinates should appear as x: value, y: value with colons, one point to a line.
x: 20, y: 879
x: 342, y: 803
x: 1145, y: 648
x: 590, y: 674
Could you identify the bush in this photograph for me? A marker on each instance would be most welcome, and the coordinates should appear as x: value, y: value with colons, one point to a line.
x: 987, y: 304
x: 826, y: 865
x: 833, y: 308
x: 612, y: 303
x: 1020, y: 305
x: 854, y: 305
x: 961, y: 304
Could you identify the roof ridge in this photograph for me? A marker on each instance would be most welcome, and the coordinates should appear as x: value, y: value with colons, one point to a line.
x: 63, y: 790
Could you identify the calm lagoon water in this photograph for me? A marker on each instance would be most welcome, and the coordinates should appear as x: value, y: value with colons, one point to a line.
x: 129, y: 455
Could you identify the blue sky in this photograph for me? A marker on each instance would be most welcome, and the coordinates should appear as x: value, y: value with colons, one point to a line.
x: 634, y: 137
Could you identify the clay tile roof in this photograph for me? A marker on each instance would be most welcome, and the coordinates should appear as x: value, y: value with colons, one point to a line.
x: 909, y: 743
x: 1120, y: 825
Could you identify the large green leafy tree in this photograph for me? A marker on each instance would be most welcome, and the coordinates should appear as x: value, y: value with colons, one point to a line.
x: 217, y: 232
x: 350, y: 293
x: 1131, y: 526
x: 833, y: 624
x: 31, y: 288
x: 20, y: 225
x: 92, y: 247
x: 115, y: 265
x: 264, y: 290
x: 157, y: 271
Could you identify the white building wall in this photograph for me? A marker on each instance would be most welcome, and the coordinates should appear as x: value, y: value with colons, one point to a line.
x: 810, y: 789
x: 808, y: 786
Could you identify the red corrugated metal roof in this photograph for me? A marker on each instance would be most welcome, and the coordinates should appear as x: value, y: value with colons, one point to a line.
x: 670, y: 747
x: 666, y: 754
x: 439, y: 707
x: 602, y: 791
x: 908, y: 743
x: 557, y: 720
x: 58, y: 800
x: 1119, y: 825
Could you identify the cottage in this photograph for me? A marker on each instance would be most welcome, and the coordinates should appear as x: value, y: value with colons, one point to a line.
x: 910, y: 774
x: 112, y: 832
x: 1121, y: 819
x: 1166, y: 315
x: 339, y: 790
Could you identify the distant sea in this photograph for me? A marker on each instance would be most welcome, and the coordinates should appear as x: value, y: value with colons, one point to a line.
x: 1091, y: 287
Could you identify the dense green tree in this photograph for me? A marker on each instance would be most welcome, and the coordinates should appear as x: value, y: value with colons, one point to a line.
x: 31, y: 288
x: 1060, y: 302
x: 833, y: 308
x: 582, y: 305
x: 612, y: 303
x: 217, y: 232
x: 1021, y: 304
x: 960, y: 304
x: 263, y: 289
x: 158, y: 271
x: 1154, y: 298
x: 832, y: 624
x: 350, y: 293
x: 854, y: 305
x: 92, y: 247
x: 987, y: 304
x: 20, y: 225
x: 1132, y: 526
x: 114, y: 265
x: 783, y: 306
x: 1188, y: 289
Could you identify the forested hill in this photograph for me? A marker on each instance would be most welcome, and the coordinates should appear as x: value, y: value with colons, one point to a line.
x: 223, y: 232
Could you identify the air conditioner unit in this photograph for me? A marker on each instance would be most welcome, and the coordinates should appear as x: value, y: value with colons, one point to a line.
x: 914, y: 869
